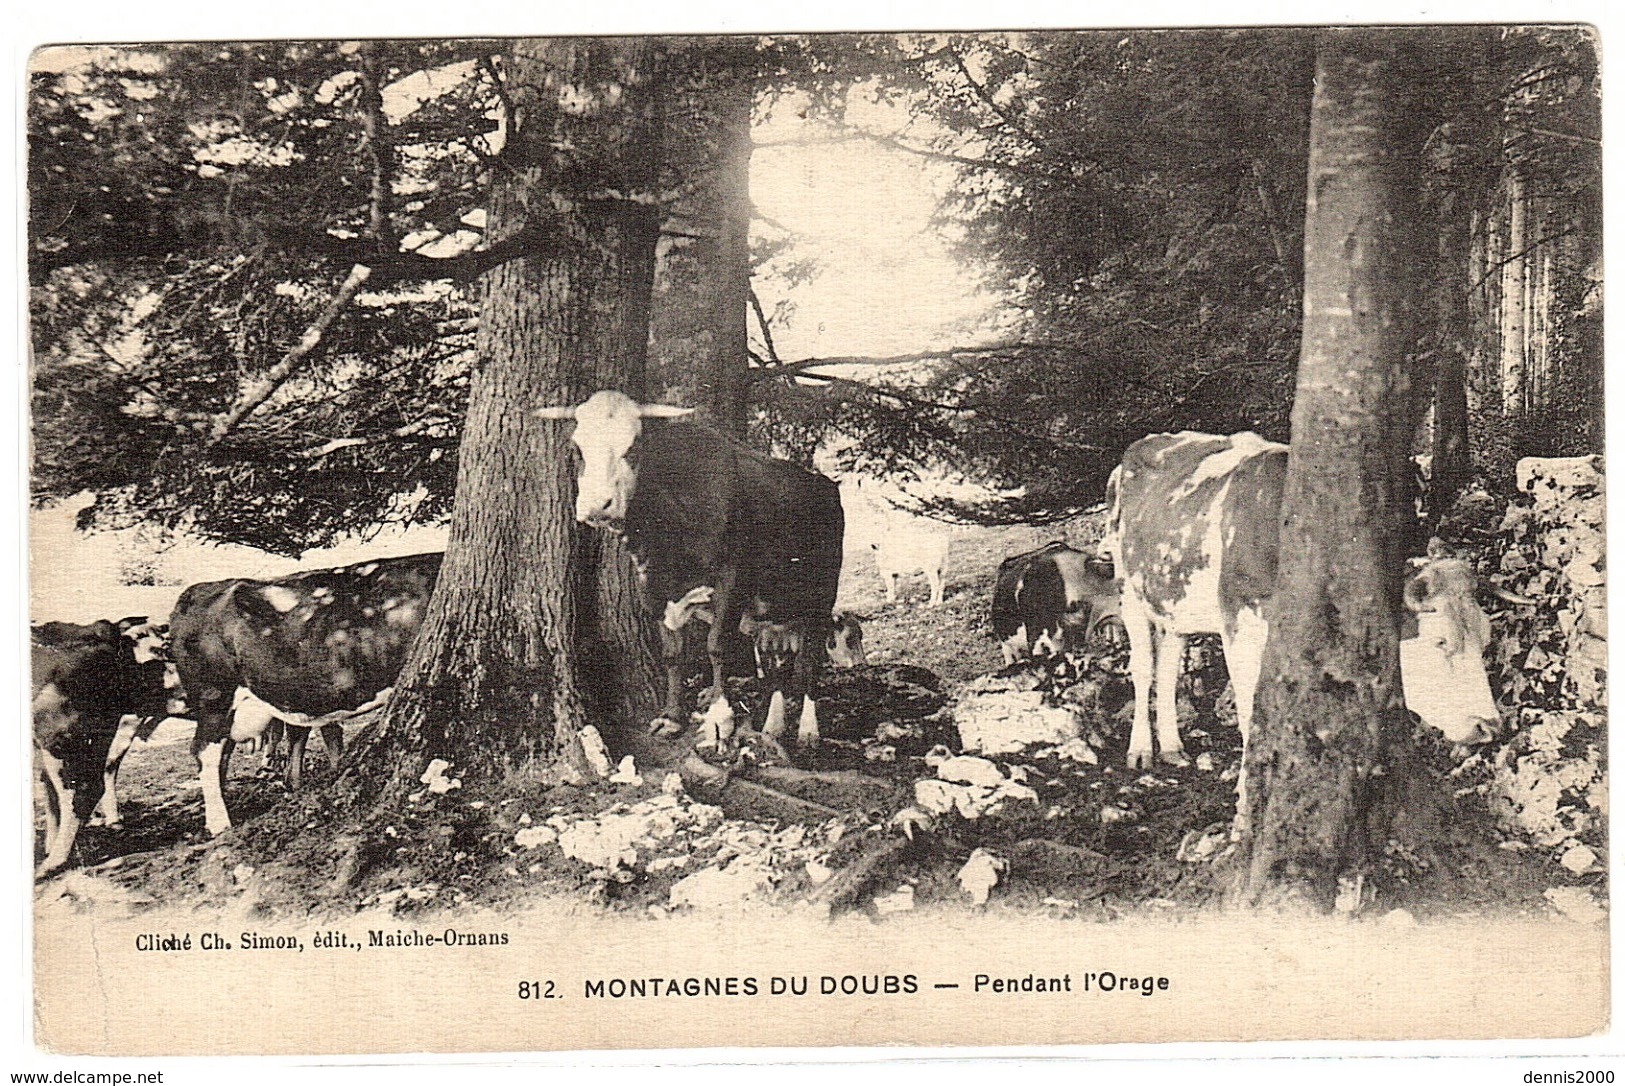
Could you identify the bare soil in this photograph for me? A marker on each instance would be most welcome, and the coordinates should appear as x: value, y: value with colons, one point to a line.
x: 1101, y: 841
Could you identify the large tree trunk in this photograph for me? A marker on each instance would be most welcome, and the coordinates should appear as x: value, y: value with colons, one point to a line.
x: 1329, y: 701
x: 492, y: 679
x: 700, y: 338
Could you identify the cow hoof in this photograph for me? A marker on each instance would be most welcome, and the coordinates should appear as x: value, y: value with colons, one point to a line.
x: 1140, y: 759
x: 47, y: 869
x: 664, y: 727
x: 1174, y: 758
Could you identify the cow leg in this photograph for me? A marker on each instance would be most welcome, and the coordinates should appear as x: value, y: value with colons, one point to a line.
x: 61, y: 825
x: 1170, y: 661
x: 891, y: 580
x: 270, y: 743
x: 211, y: 747
x: 670, y: 720
x: 1142, y: 660
x: 936, y: 579
x: 333, y: 743
x: 721, y: 597
x: 1243, y: 641
x: 1014, y: 647
x: 129, y: 727
x: 774, y: 726
x: 298, y: 736
x: 803, y: 674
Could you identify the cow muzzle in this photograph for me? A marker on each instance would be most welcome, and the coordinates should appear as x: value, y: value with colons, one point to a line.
x: 606, y: 512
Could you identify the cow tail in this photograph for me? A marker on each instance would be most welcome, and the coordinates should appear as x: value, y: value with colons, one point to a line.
x: 1111, y: 540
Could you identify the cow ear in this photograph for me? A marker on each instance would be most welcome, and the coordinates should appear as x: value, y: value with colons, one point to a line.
x: 663, y: 411
x: 567, y: 412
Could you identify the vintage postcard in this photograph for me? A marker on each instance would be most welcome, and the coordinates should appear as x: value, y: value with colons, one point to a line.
x: 1049, y: 537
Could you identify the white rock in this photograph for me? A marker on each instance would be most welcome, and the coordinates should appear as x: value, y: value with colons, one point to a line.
x: 1579, y: 859
x: 626, y: 772
x: 965, y: 770
x: 1398, y: 918
x: 980, y: 874
x: 721, y: 887
x: 1077, y: 750
x: 1001, y: 721
x: 435, y: 777
x: 592, y: 745
x: 535, y: 837
x: 1576, y: 903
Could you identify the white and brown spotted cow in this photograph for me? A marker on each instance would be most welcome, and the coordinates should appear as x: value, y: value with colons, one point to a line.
x: 716, y: 529
x: 1194, y: 531
x: 1051, y: 600
x: 310, y: 648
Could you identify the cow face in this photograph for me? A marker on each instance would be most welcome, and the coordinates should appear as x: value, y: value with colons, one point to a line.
x: 1441, y: 653
x: 607, y: 428
x: 845, y: 644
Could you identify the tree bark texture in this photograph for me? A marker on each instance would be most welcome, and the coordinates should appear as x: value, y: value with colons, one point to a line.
x: 1330, y: 696
x: 494, y: 676
x: 700, y: 335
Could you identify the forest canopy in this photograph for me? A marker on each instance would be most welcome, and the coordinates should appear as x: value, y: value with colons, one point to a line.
x: 255, y: 268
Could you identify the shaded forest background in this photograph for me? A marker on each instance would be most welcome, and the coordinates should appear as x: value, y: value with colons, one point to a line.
x: 255, y: 269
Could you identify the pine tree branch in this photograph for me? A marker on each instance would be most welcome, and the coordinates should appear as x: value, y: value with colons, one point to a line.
x: 767, y: 332
x: 379, y: 146
x: 779, y: 369
x: 1003, y: 114
x: 411, y: 429
x: 1022, y: 429
x: 255, y: 395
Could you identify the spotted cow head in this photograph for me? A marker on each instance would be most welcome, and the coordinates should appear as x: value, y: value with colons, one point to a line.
x: 1441, y: 652
x: 845, y: 644
x: 607, y: 427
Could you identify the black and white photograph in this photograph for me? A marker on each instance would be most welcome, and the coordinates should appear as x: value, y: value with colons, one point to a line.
x: 998, y: 537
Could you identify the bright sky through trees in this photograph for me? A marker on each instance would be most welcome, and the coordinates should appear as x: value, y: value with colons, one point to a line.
x: 886, y: 281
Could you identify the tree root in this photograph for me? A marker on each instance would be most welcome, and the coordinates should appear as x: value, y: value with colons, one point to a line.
x: 844, y: 889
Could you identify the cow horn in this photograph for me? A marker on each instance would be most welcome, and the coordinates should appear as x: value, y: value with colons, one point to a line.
x: 1416, y: 595
x: 566, y: 412
x: 1511, y: 597
x: 663, y: 411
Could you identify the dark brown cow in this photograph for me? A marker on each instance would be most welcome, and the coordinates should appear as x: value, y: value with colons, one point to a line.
x: 1050, y: 600
x: 84, y: 680
x: 712, y: 525
x: 321, y: 644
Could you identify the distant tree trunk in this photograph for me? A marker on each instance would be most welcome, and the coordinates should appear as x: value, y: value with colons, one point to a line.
x: 1329, y: 700
x: 700, y: 332
x: 1514, y: 298
x: 1468, y: 150
x: 493, y: 678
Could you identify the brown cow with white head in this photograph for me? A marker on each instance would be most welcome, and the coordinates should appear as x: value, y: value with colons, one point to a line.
x: 719, y: 533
